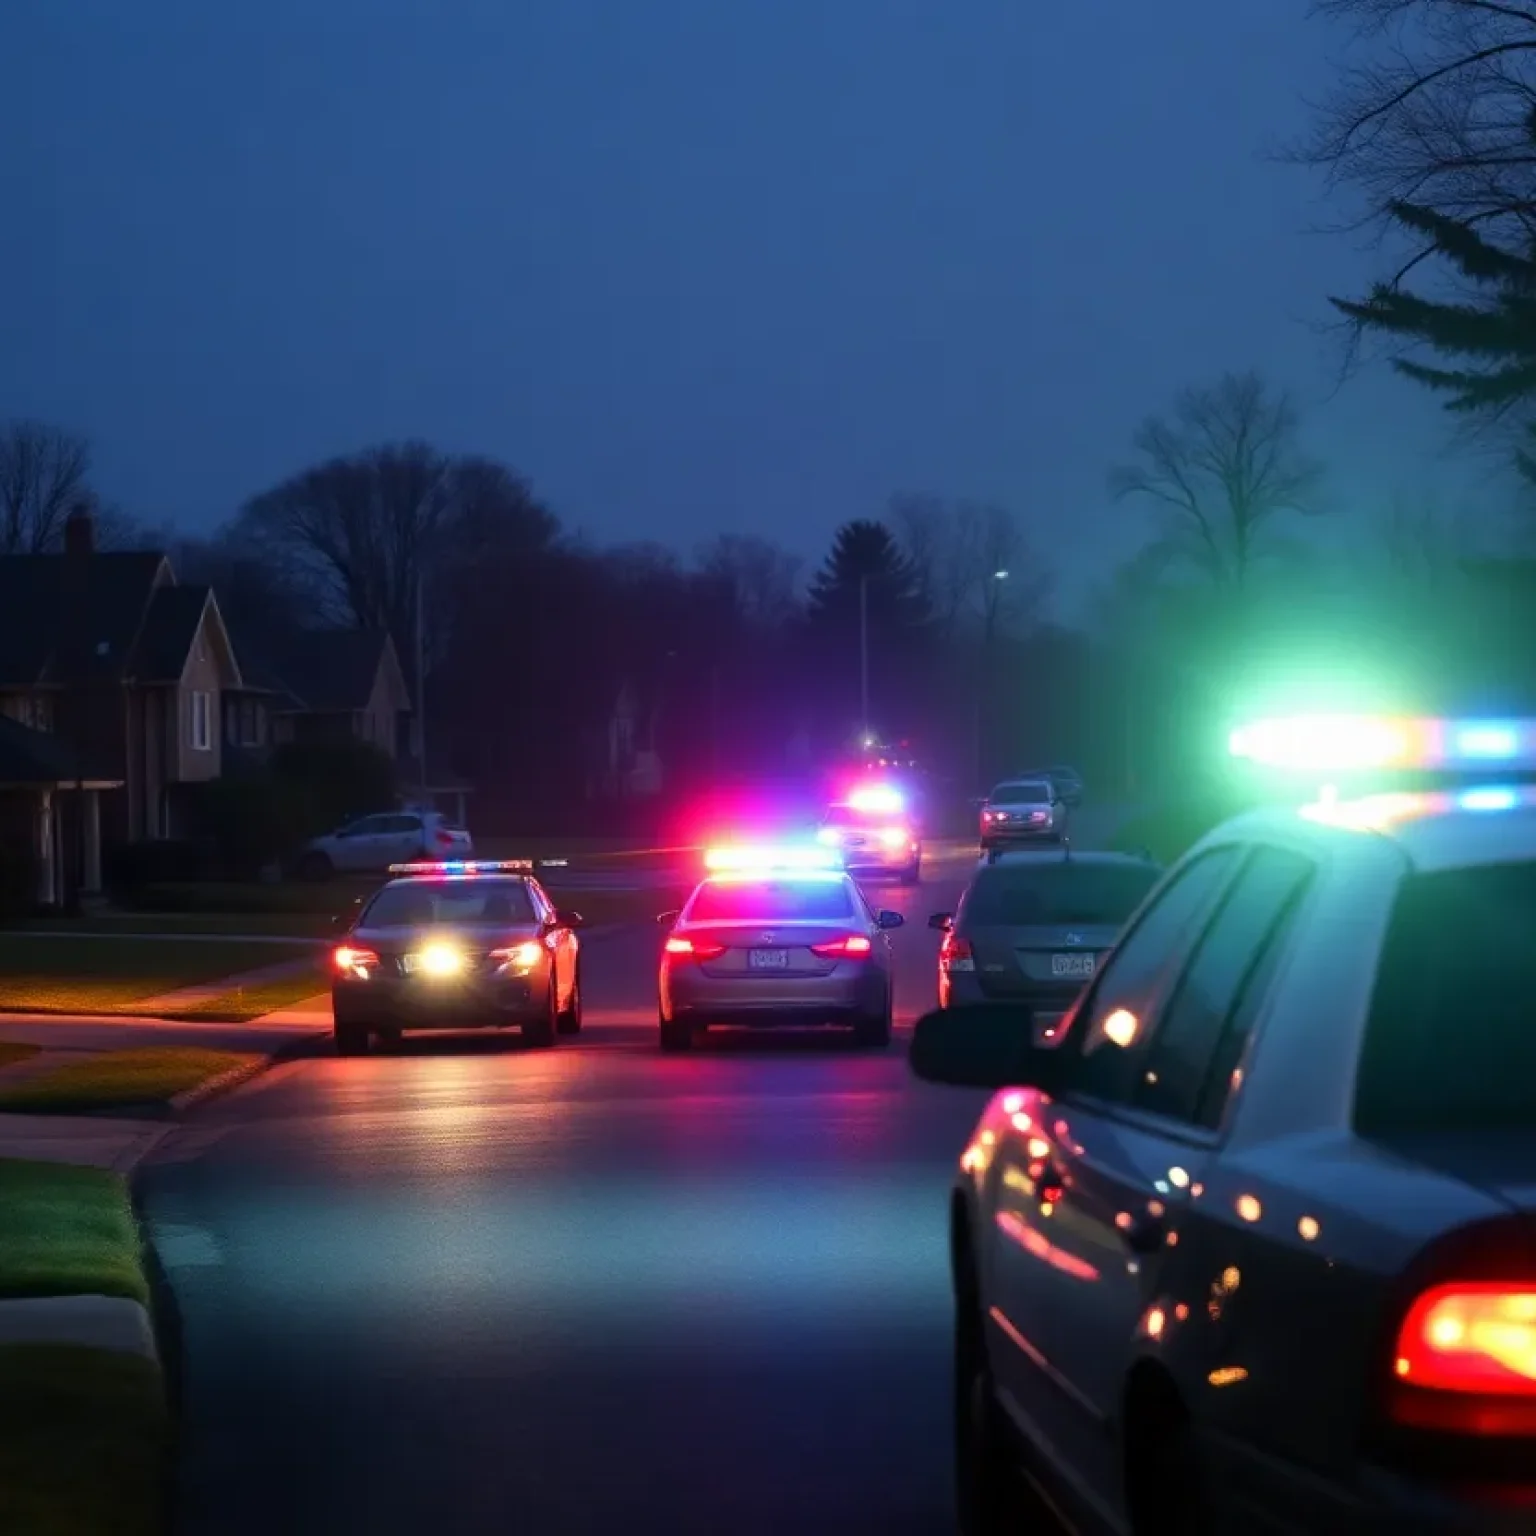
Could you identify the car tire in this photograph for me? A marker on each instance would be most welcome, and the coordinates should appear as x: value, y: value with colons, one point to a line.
x: 569, y: 1022
x: 316, y: 866
x: 350, y: 1039
x: 675, y: 1034
x: 541, y: 1032
x: 874, y: 1032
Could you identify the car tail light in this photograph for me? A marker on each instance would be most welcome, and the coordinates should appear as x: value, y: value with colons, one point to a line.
x: 955, y: 953
x: 694, y: 949
x: 350, y: 958
x: 1465, y: 1360
x: 848, y: 946
x: 445, y: 838
x: 895, y: 837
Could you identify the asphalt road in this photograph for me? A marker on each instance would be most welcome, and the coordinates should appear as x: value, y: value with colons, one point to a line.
x: 472, y: 1287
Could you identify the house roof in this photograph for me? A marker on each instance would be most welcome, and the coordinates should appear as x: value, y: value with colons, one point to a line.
x: 34, y: 757
x: 322, y: 670
x: 67, y: 617
x: 170, y: 626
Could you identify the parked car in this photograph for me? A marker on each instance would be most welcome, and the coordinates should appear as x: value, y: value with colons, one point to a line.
x: 1068, y: 782
x: 373, y: 843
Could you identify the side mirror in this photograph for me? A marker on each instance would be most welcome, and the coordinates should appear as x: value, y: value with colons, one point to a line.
x: 988, y: 1045
x: 564, y: 918
x: 668, y: 918
x: 943, y: 921
x: 886, y: 918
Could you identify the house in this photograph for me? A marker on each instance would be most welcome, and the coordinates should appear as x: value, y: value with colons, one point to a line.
x: 319, y: 686
x: 125, y: 669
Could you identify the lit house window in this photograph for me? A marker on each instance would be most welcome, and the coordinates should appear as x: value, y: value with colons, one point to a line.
x: 202, y: 722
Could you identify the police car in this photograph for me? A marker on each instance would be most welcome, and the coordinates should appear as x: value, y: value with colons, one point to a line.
x: 776, y: 936
x: 1252, y: 1246
x: 457, y: 945
x: 874, y: 831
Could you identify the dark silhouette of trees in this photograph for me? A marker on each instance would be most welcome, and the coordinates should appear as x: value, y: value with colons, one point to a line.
x: 1221, y: 470
x: 43, y: 474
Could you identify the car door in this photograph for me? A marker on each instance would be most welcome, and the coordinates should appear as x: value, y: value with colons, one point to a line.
x: 1030, y: 1255
x: 1128, y: 1149
x: 357, y: 845
x: 563, y: 941
x: 407, y: 839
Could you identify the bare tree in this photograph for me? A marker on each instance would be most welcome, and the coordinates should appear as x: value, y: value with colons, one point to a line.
x: 1433, y: 108
x: 364, y: 535
x: 43, y: 473
x: 972, y: 561
x: 763, y: 581
x: 1222, y: 469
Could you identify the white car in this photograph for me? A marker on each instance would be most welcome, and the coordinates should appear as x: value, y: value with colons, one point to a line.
x: 372, y: 843
x: 1251, y: 1247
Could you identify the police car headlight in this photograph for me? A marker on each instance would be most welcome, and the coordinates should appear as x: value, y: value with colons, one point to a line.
x: 441, y: 960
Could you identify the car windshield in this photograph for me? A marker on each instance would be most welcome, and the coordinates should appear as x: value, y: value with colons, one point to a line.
x: 1021, y: 792
x: 1057, y: 894
x: 781, y: 901
x: 1450, y: 1043
x: 420, y: 903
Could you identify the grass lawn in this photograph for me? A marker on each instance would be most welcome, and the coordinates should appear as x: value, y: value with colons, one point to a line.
x: 98, y: 974
x: 152, y: 1074
x: 66, y: 1231
x: 85, y: 1436
x: 11, y: 1053
x: 252, y: 1002
x: 298, y: 925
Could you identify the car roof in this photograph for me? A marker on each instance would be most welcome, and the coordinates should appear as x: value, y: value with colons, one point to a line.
x: 1434, y: 830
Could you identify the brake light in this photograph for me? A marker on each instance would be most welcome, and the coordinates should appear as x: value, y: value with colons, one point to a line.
x: 348, y: 958
x: 894, y: 837
x: 445, y: 838
x: 850, y: 945
x: 955, y: 954
x: 1465, y: 1360
x: 694, y: 949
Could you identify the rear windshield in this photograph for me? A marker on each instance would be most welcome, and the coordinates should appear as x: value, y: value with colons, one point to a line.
x: 1451, y: 1040
x: 847, y: 816
x: 1047, y: 895
x: 725, y: 901
x: 1021, y: 793
x: 450, y: 901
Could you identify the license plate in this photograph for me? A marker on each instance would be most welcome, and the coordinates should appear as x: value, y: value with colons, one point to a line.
x: 1071, y: 965
x: 768, y: 960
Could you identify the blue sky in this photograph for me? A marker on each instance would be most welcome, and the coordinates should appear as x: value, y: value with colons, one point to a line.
x: 693, y: 267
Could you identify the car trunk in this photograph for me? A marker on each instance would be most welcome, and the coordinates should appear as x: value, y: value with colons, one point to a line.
x: 1053, y: 959
x: 1499, y: 1162
x: 768, y: 949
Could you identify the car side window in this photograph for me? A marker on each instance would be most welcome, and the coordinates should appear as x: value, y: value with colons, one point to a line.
x: 1108, y: 1032
x: 541, y: 902
x: 1202, y: 1015
x: 368, y: 826
x: 405, y: 824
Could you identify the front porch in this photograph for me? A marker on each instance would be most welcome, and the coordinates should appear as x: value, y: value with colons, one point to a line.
x: 50, y: 821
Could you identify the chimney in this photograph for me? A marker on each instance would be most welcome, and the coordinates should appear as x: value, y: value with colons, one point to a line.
x: 80, y: 531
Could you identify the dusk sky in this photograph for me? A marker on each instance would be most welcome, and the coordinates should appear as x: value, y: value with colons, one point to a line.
x: 691, y: 266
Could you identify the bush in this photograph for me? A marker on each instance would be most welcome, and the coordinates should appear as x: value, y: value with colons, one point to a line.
x: 132, y: 866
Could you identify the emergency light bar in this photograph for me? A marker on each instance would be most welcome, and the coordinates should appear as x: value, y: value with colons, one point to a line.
x: 771, y: 860
x: 467, y: 867
x: 878, y: 799
x: 1378, y: 813
x: 1355, y: 743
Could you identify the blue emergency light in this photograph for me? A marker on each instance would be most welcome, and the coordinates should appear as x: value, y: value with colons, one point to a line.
x: 1363, y: 743
x: 464, y: 867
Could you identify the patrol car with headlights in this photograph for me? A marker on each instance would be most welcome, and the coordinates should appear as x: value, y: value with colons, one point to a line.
x: 874, y: 831
x: 776, y: 936
x: 457, y: 945
x: 1251, y: 1247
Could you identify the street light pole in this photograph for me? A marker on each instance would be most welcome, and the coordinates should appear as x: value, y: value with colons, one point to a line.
x: 864, y: 658
x: 421, y: 681
x: 983, y: 677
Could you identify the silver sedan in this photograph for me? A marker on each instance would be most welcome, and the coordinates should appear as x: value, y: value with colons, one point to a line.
x: 781, y: 948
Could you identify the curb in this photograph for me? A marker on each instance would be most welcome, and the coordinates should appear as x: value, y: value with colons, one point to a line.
x: 236, y: 1077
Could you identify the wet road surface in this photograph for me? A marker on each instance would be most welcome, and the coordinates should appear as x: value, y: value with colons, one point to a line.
x: 469, y: 1287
